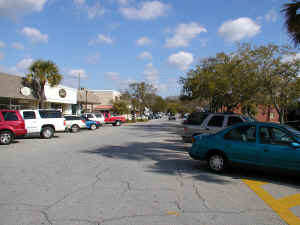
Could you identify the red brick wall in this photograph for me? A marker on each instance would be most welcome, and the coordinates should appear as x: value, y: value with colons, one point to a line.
x: 264, y: 114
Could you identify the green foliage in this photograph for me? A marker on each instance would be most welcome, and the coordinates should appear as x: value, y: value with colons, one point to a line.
x: 120, y: 107
x: 141, y: 95
x: 40, y: 73
x: 158, y: 104
x: 247, y: 77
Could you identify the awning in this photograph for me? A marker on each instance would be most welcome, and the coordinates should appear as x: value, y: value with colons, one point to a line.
x: 103, y: 107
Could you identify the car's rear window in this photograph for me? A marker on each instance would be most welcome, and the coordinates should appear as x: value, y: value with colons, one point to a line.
x: 10, y: 116
x: 50, y: 114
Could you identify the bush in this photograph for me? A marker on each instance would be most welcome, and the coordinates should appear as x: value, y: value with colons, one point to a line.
x: 142, y: 120
x: 130, y: 121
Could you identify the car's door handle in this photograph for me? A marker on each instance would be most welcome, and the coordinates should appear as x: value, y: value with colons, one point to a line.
x: 266, y: 150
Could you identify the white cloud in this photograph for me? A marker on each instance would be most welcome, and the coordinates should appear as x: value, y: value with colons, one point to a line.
x: 181, y: 60
x: 2, y: 44
x: 290, y: 58
x: 95, y: 10
x: 18, y: 45
x: 92, y: 10
x: 123, y: 2
x: 79, y: 2
x: 76, y: 72
x: 143, y: 41
x: 20, y: 69
x: 236, y: 30
x: 151, y: 73
x: 23, y: 65
x: 35, y: 35
x: 101, y: 38
x: 16, y: 8
x: 146, y: 10
x: 93, y: 58
x: 1, y: 55
x: 113, y: 76
x: 271, y: 16
x: 152, y: 77
x: 184, y: 33
x: 145, y: 55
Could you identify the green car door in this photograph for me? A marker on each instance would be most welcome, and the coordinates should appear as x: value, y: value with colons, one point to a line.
x: 276, y: 149
x: 240, y: 144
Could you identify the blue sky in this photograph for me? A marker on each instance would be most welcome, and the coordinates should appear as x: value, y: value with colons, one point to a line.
x: 114, y: 42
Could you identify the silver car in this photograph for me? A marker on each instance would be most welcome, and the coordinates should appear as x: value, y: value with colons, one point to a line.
x: 203, y: 122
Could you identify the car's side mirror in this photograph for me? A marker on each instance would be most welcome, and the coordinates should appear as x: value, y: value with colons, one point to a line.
x: 295, y: 145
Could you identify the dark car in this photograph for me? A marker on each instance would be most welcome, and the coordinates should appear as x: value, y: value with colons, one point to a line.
x: 11, y: 125
x: 172, y: 117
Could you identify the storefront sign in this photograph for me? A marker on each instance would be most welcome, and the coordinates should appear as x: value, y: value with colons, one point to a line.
x: 26, y: 91
x: 62, y: 93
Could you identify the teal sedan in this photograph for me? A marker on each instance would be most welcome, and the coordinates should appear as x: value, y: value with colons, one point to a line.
x: 259, y: 144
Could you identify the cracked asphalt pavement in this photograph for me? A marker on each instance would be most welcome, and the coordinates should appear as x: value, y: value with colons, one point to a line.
x: 136, y: 174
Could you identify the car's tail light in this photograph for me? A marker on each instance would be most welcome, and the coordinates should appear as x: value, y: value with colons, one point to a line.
x: 83, y: 121
x: 193, y: 139
x: 65, y: 123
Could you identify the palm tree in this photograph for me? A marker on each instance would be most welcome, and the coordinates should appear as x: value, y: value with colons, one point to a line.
x: 292, y: 20
x: 40, y: 73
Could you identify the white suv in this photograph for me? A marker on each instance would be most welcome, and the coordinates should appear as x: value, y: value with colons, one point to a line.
x: 95, y: 117
x: 74, y: 123
x: 43, y: 122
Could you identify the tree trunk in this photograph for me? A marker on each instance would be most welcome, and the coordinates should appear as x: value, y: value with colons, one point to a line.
x: 42, y: 100
x: 281, y: 117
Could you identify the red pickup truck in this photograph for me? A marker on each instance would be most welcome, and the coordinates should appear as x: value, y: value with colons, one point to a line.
x: 11, y: 125
x: 114, y: 120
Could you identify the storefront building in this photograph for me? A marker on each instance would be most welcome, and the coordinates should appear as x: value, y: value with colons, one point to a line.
x: 107, y: 97
x: 14, y: 94
x: 86, y: 101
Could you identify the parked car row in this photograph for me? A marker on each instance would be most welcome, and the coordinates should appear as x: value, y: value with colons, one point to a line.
x: 43, y: 122
x: 154, y: 116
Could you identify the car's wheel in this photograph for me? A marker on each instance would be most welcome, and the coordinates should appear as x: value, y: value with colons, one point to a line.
x: 47, y: 132
x: 6, y: 137
x: 217, y: 162
x: 118, y: 123
x: 93, y: 127
x: 75, y: 128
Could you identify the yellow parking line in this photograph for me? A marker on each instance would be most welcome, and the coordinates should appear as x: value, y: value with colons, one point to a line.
x: 173, y: 213
x: 281, y: 206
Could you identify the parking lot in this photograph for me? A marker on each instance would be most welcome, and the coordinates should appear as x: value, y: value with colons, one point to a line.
x: 134, y: 174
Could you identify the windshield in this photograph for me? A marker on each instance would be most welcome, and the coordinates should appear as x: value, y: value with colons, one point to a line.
x: 292, y: 130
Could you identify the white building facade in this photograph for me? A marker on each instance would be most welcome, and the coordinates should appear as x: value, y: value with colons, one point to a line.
x: 62, y: 98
